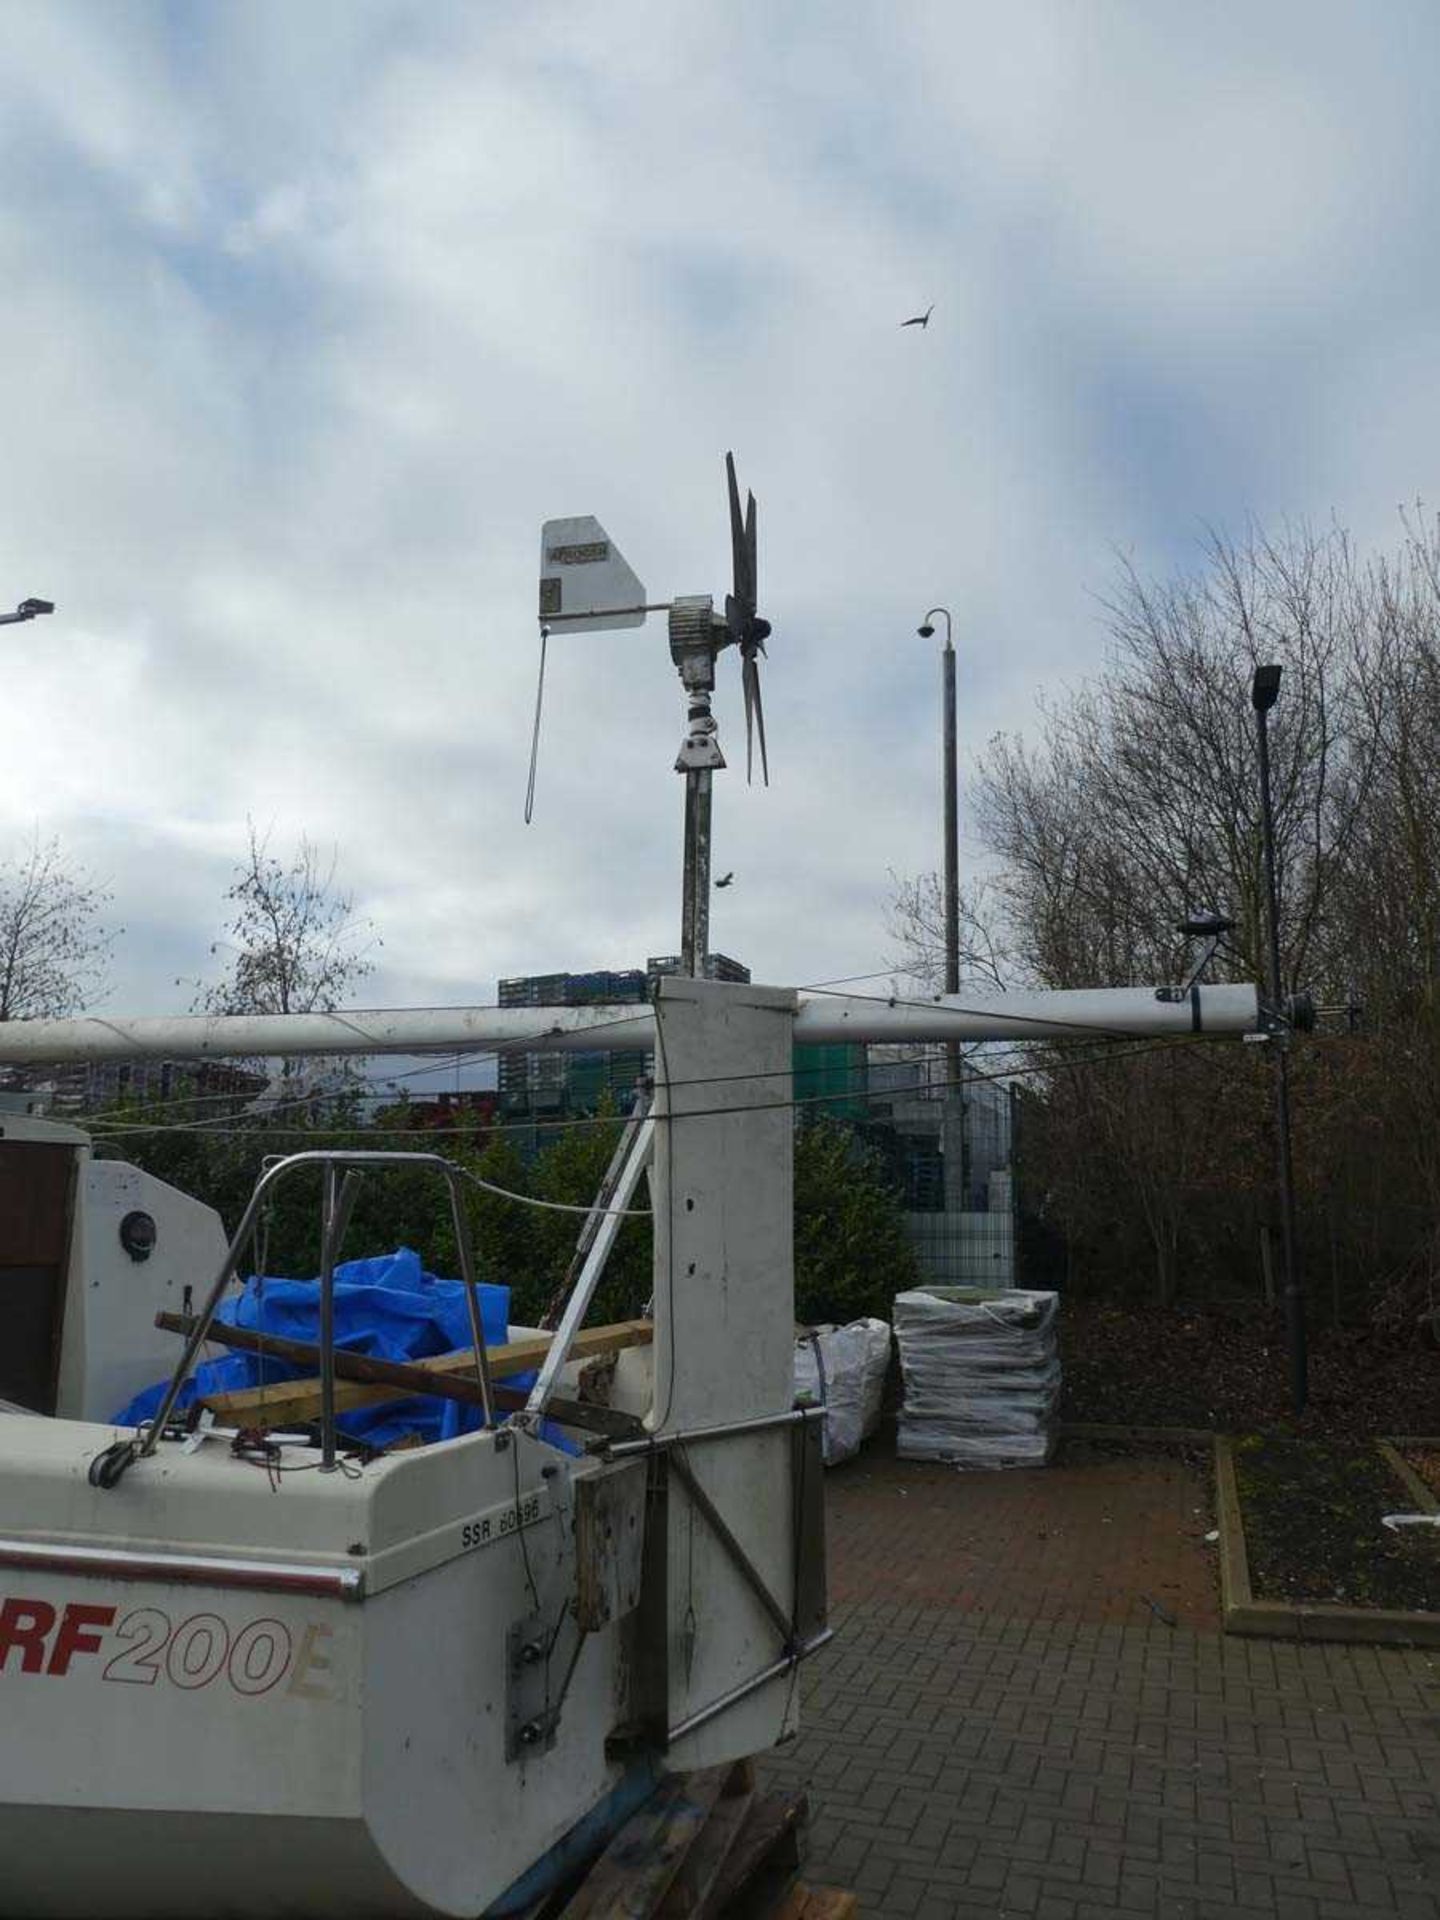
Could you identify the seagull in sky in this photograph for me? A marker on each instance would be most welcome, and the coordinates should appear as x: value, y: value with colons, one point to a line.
x: 726, y: 881
x: 920, y: 319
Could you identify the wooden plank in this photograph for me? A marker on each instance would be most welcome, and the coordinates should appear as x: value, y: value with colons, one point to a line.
x: 805, y: 1902
x: 408, y: 1376
x: 295, y: 1402
x: 702, y: 1866
x: 634, y: 1873
x: 794, y: 1905
x: 767, y: 1850
x: 1419, y: 1490
x: 348, y: 1365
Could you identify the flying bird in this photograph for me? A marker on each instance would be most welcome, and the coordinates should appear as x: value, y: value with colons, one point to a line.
x: 920, y: 319
x: 726, y: 881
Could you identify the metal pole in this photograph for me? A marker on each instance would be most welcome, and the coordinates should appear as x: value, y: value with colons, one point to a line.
x: 952, y: 833
x: 329, y: 1210
x: 637, y: 1163
x: 695, y: 638
x: 695, y: 907
x: 954, y: 1064
x: 337, y: 1203
x: 1263, y: 694
x: 952, y: 849
x: 465, y: 1247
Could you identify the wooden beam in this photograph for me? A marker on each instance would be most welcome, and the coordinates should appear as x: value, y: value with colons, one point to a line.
x: 404, y: 1375
x: 689, y: 1892
x: 634, y: 1873
x: 766, y: 1855
x: 365, y: 1367
x: 819, y: 1903
x: 295, y: 1402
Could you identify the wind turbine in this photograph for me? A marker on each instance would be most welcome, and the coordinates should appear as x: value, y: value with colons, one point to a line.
x: 587, y: 585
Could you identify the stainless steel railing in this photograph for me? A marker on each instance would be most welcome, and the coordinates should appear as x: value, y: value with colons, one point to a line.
x: 337, y: 1199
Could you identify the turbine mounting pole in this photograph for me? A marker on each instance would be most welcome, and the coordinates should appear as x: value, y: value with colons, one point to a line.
x: 696, y: 636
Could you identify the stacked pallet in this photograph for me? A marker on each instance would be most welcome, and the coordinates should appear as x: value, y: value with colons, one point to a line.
x: 982, y: 1376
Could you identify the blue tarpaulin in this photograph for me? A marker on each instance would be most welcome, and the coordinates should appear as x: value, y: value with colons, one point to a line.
x: 386, y: 1306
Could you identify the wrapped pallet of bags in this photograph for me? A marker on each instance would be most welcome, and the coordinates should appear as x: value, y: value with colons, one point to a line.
x: 982, y: 1376
x: 843, y: 1370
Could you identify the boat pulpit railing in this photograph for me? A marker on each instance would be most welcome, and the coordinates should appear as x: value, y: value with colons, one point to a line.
x: 342, y: 1171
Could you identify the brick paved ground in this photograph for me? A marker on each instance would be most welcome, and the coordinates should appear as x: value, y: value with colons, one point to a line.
x: 1003, y: 1725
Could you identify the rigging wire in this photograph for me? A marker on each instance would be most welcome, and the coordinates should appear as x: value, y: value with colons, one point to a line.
x: 498, y: 1049
x: 535, y: 733
x: 551, y: 1206
x: 581, y: 1122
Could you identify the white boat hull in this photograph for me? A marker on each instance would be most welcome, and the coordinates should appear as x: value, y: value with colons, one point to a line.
x: 184, y: 1746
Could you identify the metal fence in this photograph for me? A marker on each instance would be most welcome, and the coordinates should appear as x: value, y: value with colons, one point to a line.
x: 949, y: 1143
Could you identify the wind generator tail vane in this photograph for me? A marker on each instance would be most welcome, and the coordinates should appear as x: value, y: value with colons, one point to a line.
x: 586, y: 583
x: 586, y: 586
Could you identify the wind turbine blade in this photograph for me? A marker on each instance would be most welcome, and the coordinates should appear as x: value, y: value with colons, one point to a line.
x: 754, y: 720
x: 747, y: 684
x: 752, y: 569
x: 737, y: 538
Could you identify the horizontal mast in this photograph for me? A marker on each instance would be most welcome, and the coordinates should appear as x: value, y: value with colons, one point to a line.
x: 823, y: 1019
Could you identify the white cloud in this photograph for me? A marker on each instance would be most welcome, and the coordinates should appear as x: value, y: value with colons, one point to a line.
x: 314, y: 313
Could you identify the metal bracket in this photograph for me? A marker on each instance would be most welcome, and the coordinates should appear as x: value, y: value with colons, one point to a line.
x: 1212, y: 929
x: 700, y: 749
x: 530, y: 1719
x: 741, y: 1560
x: 609, y: 1543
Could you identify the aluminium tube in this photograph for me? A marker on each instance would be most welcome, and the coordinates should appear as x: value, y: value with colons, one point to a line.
x: 822, y: 1019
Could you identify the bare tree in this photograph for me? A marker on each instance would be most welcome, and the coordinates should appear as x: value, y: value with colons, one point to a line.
x: 53, y: 949
x: 1139, y: 805
x: 917, y: 920
x: 1141, y: 802
x: 1385, y: 939
x: 293, y: 943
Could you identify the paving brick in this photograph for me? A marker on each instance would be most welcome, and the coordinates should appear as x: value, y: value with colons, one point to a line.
x: 1053, y: 1906
x: 904, y: 1896
x: 1000, y: 1726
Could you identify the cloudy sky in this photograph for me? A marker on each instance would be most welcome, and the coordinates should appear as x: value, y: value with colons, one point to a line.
x: 314, y: 311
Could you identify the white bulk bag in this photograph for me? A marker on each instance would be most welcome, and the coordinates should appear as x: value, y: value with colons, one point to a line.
x: 843, y: 1370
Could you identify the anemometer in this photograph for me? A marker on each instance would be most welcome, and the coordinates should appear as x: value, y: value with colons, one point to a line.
x: 587, y: 586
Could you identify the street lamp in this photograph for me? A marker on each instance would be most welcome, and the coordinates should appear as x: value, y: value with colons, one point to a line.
x: 953, y: 1066
x: 952, y: 805
x: 1264, y: 691
x: 27, y: 610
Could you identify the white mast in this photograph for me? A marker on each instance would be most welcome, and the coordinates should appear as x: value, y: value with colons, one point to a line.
x: 823, y: 1018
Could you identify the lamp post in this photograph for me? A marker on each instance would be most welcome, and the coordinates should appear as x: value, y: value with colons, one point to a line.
x: 27, y: 610
x: 952, y: 867
x: 1264, y: 691
x: 952, y: 808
